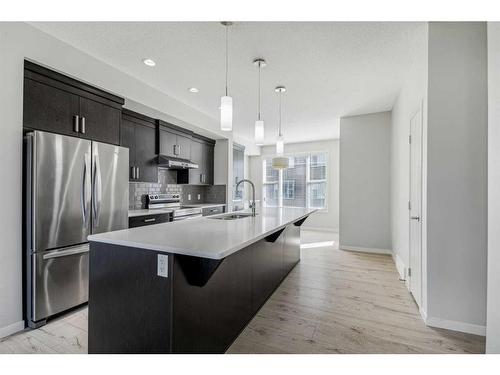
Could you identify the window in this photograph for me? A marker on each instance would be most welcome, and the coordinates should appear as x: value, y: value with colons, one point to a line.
x: 317, y: 181
x: 303, y: 184
x: 289, y: 189
x: 270, y: 184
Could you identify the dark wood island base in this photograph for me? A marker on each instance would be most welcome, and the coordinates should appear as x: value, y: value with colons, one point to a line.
x: 200, y: 307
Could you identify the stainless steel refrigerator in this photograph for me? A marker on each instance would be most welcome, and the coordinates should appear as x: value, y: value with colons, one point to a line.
x: 73, y: 188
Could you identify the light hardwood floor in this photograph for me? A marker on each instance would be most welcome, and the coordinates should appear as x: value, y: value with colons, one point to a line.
x: 333, y: 302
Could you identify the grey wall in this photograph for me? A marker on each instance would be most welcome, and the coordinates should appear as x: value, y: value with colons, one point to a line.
x: 456, y: 175
x: 493, y: 316
x: 365, y: 181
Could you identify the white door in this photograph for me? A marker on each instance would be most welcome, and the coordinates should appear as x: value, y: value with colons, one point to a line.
x: 415, y: 211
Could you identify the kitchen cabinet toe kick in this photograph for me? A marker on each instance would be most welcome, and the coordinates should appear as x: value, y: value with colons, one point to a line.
x: 153, y: 302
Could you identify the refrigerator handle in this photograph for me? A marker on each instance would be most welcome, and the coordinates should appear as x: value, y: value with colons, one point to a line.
x: 84, y: 190
x: 97, y: 191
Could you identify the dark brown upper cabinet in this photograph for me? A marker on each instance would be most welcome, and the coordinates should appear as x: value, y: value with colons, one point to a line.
x: 138, y: 133
x: 174, y: 141
x: 202, y: 153
x: 57, y: 103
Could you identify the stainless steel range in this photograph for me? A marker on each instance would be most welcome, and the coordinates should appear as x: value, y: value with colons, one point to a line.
x: 173, y: 201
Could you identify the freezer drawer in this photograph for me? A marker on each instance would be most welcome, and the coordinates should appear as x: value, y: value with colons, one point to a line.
x: 59, y: 280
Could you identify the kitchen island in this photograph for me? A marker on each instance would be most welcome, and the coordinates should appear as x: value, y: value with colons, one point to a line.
x: 189, y: 286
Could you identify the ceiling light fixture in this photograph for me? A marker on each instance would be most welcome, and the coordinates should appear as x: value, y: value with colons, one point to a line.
x: 280, y: 162
x: 193, y: 90
x: 226, y: 102
x: 259, y: 124
x: 149, y: 62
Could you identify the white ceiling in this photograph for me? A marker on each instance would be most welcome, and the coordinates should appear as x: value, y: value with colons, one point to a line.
x: 330, y: 69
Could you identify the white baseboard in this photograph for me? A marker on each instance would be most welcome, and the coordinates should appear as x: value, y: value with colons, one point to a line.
x: 400, y: 266
x: 423, y: 314
x: 474, y: 329
x: 366, y: 249
x: 319, y: 229
x: 11, y: 328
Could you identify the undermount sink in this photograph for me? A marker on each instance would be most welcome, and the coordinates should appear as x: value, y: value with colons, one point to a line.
x: 231, y: 216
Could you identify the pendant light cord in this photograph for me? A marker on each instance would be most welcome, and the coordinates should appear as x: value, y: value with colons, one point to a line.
x: 279, y: 128
x: 259, y: 92
x: 227, y: 63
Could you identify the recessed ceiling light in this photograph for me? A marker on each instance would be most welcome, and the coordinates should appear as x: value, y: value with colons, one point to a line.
x: 148, y: 62
x: 193, y: 89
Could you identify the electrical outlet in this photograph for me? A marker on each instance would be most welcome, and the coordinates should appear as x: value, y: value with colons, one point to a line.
x: 189, y: 197
x: 199, y: 196
x: 162, y: 265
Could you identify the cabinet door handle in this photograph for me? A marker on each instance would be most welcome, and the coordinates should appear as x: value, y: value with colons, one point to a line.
x: 76, y: 125
x: 82, y: 125
x: 132, y: 172
x: 137, y: 173
x: 149, y: 220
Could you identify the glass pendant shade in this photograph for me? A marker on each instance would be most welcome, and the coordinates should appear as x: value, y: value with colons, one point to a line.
x: 280, y: 162
x: 259, y: 132
x: 280, y: 145
x: 226, y: 113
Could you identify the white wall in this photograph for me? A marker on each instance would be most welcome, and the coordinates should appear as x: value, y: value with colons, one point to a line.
x: 365, y: 182
x: 493, y: 316
x: 17, y: 42
x: 413, y: 95
x: 322, y: 220
x: 457, y: 176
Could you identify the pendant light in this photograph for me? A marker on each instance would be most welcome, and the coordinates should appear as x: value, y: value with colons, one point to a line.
x: 280, y: 162
x: 259, y: 124
x: 226, y: 102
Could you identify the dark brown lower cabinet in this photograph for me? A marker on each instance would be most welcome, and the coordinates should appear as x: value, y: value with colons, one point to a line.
x: 201, y: 307
x: 129, y: 308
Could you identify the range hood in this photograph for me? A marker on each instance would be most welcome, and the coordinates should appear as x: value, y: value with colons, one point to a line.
x: 168, y: 162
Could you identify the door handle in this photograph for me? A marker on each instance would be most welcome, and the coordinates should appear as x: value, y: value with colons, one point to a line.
x: 149, y: 220
x: 80, y: 249
x: 132, y: 173
x: 97, y: 191
x: 417, y: 218
x: 137, y: 172
x: 76, y: 123
x: 82, y: 125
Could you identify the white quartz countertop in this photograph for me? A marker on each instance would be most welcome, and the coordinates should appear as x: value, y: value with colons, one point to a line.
x: 157, y: 211
x: 205, y: 237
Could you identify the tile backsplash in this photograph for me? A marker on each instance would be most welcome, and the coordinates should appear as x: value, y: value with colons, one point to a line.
x: 167, y: 184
